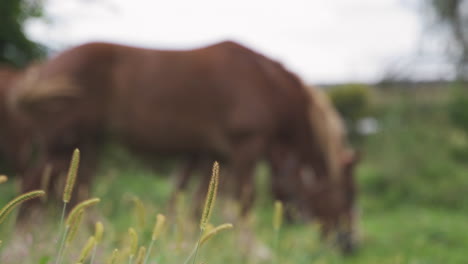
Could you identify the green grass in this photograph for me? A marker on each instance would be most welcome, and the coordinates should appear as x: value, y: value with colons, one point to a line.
x: 413, y: 203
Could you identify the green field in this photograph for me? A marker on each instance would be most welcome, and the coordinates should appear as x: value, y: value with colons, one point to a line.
x: 413, y: 202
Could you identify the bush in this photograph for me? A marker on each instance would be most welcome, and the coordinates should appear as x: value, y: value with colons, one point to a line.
x: 351, y: 100
x: 458, y: 108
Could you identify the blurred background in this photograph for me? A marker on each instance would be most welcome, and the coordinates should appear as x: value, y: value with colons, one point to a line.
x: 337, y: 41
x: 395, y: 69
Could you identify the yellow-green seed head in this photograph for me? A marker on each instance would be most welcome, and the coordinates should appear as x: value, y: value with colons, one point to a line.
x: 3, y: 179
x: 211, y: 196
x: 45, y: 179
x: 141, y: 255
x: 278, y: 216
x: 133, y: 241
x: 99, y: 230
x: 81, y: 206
x: 73, y: 228
x: 140, y: 211
x: 114, y: 257
x: 18, y: 200
x: 160, y: 219
x: 86, y: 249
x: 214, y: 231
x: 208, y: 228
x: 71, y: 177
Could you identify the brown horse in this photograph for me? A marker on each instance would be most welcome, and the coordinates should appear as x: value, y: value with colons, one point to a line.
x: 222, y: 101
x: 339, y: 187
x: 299, y: 186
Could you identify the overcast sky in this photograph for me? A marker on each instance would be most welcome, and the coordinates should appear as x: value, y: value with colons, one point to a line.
x: 323, y: 41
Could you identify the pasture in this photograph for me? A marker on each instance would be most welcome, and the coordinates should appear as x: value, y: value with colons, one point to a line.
x: 413, y: 206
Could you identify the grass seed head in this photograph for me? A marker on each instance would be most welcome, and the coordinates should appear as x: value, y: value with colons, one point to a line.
x: 86, y: 249
x: 158, y: 226
x: 71, y: 177
x: 79, y: 207
x: 17, y: 201
x: 114, y: 257
x: 140, y: 211
x: 73, y: 228
x: 99, y: 230
x: 211, y: 196
x: 133, y: 241
x: 45, y: 179
x: 141, y: 255
x: 3, y: 179
x: 214, y: 231
x: 278, y: 216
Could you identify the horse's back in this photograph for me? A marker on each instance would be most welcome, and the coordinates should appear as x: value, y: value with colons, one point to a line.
x: 197, y: 95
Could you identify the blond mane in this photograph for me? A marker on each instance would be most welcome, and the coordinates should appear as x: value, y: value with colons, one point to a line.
x: 328, y: 128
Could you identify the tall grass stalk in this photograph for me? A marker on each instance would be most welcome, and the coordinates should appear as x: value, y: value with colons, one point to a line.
x: 86, y: 249
x: 205, y: 237
x: 214, y: 231
x: 207, y: 209
x: 72, y: 221
x: 67, y: 192
x: 277, y: 222
x: 6, y: 210
x: 45, y: 180
x: 160, y: 219
x: 179, y: 221
x: 73, y: 228
x: 99, y: 230
x: 140, y: 255
x: 113, y: 258
x: 133, y: 244
x: 140, y: 211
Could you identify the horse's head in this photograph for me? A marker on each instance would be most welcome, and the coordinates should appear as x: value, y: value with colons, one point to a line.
x: 326, y: 176
x: 331, y: 200
x: 347, y: 215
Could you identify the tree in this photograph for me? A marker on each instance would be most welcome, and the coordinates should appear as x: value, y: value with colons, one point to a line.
x: 454, y: 15
x: 15, y: 48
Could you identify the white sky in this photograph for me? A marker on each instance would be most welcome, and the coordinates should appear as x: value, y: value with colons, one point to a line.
x: 322, y: 40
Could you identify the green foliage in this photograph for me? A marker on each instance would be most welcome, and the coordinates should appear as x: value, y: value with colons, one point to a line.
x: 410, y: 160
x: 15, y: 48
x: 446, y: 9
x: 412, y: 198
x: 351, y: 100
x: 458, y: 108
x: 451, y: 14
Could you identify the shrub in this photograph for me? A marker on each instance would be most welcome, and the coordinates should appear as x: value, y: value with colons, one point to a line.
x: 351, y: 100
x: 458, y: 108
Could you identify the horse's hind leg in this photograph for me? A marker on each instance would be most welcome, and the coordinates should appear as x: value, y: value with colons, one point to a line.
x: 188, y: 168
x: 186, y: 171
x: 244, y: 158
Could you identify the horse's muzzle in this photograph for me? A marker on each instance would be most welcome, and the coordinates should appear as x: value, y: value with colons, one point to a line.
x: 346, y: 242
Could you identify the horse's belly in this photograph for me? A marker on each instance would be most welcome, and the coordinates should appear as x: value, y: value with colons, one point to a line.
x: 172, y: 133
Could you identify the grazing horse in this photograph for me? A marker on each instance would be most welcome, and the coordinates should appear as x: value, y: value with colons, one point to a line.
x: 223, y: 101
x: 337, y: 211
x: 299, y: 186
